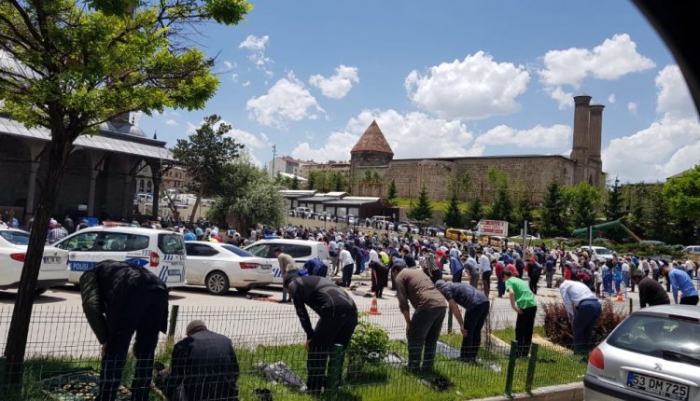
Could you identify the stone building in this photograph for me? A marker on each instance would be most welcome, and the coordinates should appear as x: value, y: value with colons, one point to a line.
x: 373, y: 168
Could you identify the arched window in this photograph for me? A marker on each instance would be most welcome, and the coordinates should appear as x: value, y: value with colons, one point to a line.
x: 148, y: 187
x: 140, y: 185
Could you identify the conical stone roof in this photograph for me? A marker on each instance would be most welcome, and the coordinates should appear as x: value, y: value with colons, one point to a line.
x: 372, y: 141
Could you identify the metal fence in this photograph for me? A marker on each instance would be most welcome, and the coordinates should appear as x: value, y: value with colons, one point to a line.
x: 63, y: 357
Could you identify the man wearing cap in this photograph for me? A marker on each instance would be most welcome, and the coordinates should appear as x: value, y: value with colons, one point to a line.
x: 583, y: 309
x: 338, y: 318
x: 204, y: 367
x: 476, y: 309
x: 651, y: 293
x: 423, y: 329
x: 119, y: 300
x: 681, y: 281
x: 286, y: 263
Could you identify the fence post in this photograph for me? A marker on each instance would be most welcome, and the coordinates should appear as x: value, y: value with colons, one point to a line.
x: 512, y: 358
x: 530, y: 378
x: 631, y: 305
x: 173, y: 321
x: 449, y: 322
x: 336, y: 369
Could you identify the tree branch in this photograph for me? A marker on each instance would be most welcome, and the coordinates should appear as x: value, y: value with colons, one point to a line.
x: 27, y: 20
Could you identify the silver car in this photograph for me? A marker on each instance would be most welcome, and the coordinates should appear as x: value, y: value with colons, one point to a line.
x: 652, y: 355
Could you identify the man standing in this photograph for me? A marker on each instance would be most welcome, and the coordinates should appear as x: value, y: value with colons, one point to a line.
x: 119, y: 300
x: 680, y: 281
x: 333, y: 252
x: 584, y: 311
x: 456, y: 269
x: 549, y: 271
x: 380, y: 277
x: 204, y: 367
x: 338, y: 318
x: 348, y: 264
x: 485, y: 270
x: 476, y: 310
x: 423, y: 329
x: 522, y: 300
x: 534, y: 271
x: 286, y: 263
x: 651, y: 293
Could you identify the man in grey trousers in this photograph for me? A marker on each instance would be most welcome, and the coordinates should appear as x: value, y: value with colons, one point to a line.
x: 423, y: 329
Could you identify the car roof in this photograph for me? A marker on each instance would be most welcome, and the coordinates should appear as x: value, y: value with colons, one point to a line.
x: 663, y: 310
x: 285, y: 241
x: 127, y: 230
x: 16, y: 230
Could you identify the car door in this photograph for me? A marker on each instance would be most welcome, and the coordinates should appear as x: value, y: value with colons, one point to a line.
x: 199, y: 261
x: 80, y: 255
x: 266, y: 251
x: 300, y: 253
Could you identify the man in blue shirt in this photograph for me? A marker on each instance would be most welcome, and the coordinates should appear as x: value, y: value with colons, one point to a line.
x: 476, y: 310
x: 456, y: 269
x: 680, y: 280
x: 316, y: 267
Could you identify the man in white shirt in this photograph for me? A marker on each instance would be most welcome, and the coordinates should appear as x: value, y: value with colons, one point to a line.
x: 485, y: 271
x: 333, y: 252
x: 373, y: 255
x: 625, y: 272
x: 584, y: 311
x: 348, y: 264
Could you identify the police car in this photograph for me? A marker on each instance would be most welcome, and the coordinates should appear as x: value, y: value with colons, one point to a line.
x: 300, y: 250
x: 160, y: 251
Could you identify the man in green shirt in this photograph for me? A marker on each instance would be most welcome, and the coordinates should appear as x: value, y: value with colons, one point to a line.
x: 523, y: 302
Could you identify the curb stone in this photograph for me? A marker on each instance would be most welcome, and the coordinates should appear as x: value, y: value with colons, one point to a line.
x: 564, y: 392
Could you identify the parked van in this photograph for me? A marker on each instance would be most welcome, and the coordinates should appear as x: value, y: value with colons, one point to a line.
x: 300, y: 250
x: 161, y: 251
x: 458, y: 234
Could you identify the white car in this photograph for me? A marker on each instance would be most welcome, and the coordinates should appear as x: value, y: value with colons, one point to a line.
x: 599, y: 253
x: 161, y: 251
x: 300, y: 250
x: 219, y: 267
x: 13, y: 249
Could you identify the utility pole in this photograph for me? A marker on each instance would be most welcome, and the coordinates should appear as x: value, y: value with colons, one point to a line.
x: 274, y: 156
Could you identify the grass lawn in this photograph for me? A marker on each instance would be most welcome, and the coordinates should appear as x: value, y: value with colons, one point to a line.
x: 373, y: 383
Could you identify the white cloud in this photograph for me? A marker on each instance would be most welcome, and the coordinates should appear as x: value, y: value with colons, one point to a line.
x: 611, y: 98
x: 257, y: 46
x: 611, y: 60
x: 234, y: 78
x: 555, y: 137
x: 229, y: 65
x: 668, y: 146
x: 246, y: 138
x: 411, y: 135
x: 245, y: 84
x: 286, y: 100
x: 632, y: 107
x: 474, y: 88
x: 338, y: 85
x: 172, y: 122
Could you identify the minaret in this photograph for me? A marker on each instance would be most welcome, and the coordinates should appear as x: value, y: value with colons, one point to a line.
x: 595, y: 131
x: 579, y: 153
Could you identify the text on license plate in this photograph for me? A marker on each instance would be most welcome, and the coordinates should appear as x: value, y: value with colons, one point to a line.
x: 659, y: 387
x: 266, y: 267
x: 52, y: 260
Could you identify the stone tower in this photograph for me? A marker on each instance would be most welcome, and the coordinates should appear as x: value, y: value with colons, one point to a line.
x: 588, y: 125
x: 371, y: 152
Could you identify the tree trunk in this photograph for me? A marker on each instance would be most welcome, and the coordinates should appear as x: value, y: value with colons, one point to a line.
x: 196, y: 203
x: 58, y: 152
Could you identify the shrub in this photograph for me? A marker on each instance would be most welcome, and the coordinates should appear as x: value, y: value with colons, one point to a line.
x: 369, y: 343
x: 557, y: 326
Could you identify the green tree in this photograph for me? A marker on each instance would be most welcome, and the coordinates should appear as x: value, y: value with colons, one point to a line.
x: 552, y: 211
x: 295, y: 182
x: 391, y: 197
x: 453, y: 215
x: 523, y: 212
x: 311, y: 180
x: 682, y: 194
x: 585, y: 200
x: 658, y: 215
x: 613, y: 208
x: 637, y: 218
x: 423, y: 209
x: 474, y: 213
x: 204, y: 154
x: 502, y: 208
x: 71, y: 65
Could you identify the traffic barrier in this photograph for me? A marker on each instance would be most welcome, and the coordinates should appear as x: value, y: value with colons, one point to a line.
x: 374, y: 310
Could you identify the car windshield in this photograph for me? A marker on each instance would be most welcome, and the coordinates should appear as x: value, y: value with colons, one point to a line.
x: 603, y: 251
x: 15, y: 237
x: 236, y: 250
x: 675, y: 337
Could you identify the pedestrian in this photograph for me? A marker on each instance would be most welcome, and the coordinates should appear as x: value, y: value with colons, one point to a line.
x: 120, y: 299
x: 430, y: 266
x: 597, y: 281
x: 316, y: 267
x: 583, y: 309
x: 337, y: 321
x: 56, y: 232
x: 549, y: 271
x: 456, y: 268
x: 476, y: 310
x: 380, y: 277
x: 523, y: 302
x: 472, y: 268
x: 485, y: 271
x: 286, y: 263
x: 204, y: 367
x: 333, y: 252
x: 69, y: 225
x: 423, y: 329
x: 348, y: 264
x: 534, y: 272
x: 680, y: 281
x: 651, y: 293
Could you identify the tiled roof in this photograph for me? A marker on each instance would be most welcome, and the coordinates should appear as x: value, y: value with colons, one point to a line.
x: 372, y: 141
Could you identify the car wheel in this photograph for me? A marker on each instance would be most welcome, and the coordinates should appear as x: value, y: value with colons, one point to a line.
x: 243, y: 290
x: 40, y: 291
x: 217, y: 283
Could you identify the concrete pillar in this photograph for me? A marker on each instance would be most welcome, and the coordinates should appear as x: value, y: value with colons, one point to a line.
x: 31, y: 191
x: 128, y: 196
x: 595, y: 131
x: 581, y: 121
x: 91, y: 194
x: 156, y: 194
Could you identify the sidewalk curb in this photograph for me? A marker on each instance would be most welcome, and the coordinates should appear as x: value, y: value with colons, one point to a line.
x: 564, y: 392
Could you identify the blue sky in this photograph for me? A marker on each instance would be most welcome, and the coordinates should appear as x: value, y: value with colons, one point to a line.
x: 447, y: 78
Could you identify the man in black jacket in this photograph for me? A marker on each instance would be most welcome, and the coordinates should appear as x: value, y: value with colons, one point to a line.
x: 204, y: 367
x: 651, y: 293
x: 338, y: 318
x: 119, y: 300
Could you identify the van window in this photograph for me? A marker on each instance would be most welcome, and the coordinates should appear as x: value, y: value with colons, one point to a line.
x: 297, y: 251
x: 194, y: 249
x: 79, y: 243
x: 171, y: 244
x: 119, y: 242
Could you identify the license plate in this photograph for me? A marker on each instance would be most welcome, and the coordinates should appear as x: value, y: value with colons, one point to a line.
x: 173, y: 272
x: 660, y: 387
x: 266, y: 267
x: 52, y: 260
